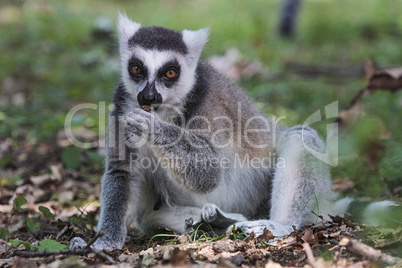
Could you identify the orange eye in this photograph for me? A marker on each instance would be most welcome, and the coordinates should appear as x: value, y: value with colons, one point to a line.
x: 136, y: 70
x: 171, y: 74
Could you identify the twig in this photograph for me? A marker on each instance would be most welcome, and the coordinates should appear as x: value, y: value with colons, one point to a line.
x: 104, y: 256
x: 62, y: 232
x: 310, y: 256
x: 367, y: 251
x: 83, y: 251
x: 356, y: 98
x: 31, y: 254
x: 388, y: 80
x: 93, y: 240
x: 331, y: 71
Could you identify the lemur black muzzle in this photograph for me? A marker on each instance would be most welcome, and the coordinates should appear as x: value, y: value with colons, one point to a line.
x: 149, y: 96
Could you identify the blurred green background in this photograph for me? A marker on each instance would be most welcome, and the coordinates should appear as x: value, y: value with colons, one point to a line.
x: 56, y: 54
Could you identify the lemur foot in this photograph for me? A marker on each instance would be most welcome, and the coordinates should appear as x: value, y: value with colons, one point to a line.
x: 218, y: 220
x: 100, y: 244
x: 277, y: 229
x: 77, y: 243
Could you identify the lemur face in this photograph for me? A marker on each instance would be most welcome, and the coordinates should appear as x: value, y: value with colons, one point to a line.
x: 158, y: 64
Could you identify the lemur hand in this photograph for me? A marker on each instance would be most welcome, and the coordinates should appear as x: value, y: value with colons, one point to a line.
x: 141, y: 124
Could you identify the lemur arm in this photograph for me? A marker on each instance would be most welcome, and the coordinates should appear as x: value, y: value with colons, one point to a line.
x: 116, y: 191
x: 117, y: 186
x: 192, y: 158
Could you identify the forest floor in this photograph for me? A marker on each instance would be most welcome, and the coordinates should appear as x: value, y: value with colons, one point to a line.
x: 35, y: 232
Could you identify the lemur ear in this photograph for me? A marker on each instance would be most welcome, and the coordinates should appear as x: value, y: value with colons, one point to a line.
x: 126, y: 27
x: 195, y: 41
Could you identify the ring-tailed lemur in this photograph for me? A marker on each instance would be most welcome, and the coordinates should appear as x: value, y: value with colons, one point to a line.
x: 204, y: 151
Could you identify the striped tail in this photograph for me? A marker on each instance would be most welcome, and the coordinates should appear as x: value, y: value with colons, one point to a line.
x: 381, y: 213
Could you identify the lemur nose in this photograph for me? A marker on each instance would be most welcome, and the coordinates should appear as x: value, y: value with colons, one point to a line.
x: 148, y: 96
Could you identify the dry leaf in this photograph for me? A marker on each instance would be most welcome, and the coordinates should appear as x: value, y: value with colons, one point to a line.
x: 390, y: 80
x: 349, y: 117
x: 272, y: 264
x: 207, y: 253
x: 235, y: 65
x: 309, y: 237
x: 180, y: 257
x: 265, y: 236
x: 323, y: 263
x: 386, y: 80
x: 41, y: 179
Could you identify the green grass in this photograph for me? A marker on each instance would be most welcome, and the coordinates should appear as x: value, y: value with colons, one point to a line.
x: 198, y: 235
x: 53, y: 50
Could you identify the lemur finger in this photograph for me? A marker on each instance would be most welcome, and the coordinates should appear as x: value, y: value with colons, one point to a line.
x: 136, y: 129
x: 209, y: 212
x: 141, y: 113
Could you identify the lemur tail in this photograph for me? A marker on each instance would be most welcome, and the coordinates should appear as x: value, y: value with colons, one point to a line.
x: 381, y: 213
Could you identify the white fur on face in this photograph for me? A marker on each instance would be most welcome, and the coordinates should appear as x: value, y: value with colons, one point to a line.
x: 126, y: 29
x: 195, y: 41
x: 153, y: 60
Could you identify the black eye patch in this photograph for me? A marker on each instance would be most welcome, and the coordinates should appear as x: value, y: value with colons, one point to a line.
x: 169, y: 72
x: 136, y: 69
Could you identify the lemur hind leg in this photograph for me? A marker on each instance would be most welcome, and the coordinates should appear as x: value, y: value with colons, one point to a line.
x: 301, y: 185
x: 170, y: 217
x: 176, y: 219
x: 212, y: 214
x: 215, y: 220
